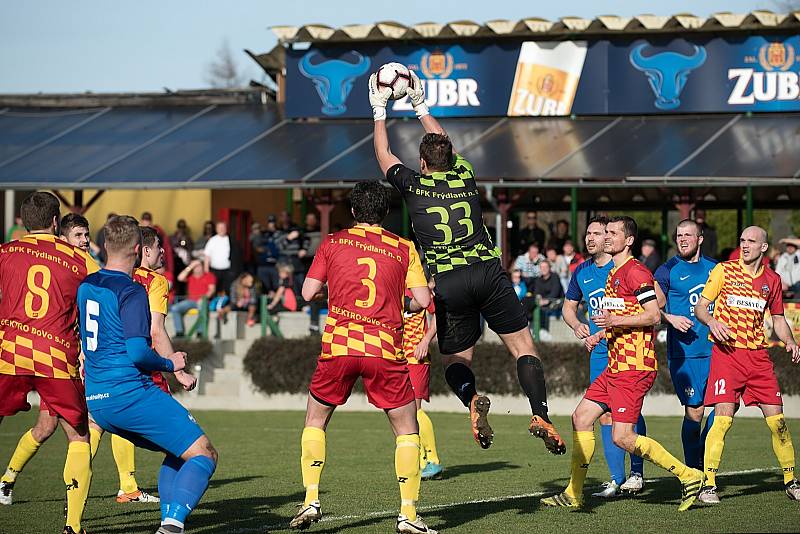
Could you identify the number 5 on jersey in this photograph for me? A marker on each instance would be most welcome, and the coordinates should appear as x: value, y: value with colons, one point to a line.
x: 92, y: 327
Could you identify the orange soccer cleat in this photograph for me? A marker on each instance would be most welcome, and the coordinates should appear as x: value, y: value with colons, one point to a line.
x: 548, y: 433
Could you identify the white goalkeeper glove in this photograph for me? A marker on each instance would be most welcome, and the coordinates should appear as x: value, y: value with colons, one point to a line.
x: 416, y: 94
x: 378, y: 98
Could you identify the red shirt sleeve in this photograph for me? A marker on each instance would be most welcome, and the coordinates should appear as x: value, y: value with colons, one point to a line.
x: 319, y: 267
x: 776, y: 297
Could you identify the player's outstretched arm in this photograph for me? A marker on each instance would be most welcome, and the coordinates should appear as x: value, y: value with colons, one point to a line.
x: 312, y: 289
x: 378, y: 98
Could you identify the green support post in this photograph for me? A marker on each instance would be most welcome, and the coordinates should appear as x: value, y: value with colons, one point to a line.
x: 406, y: 226
x: 200, y: 326
x: 537, y: 321
x: 748, y: 216
x: 267, y: 320
x: 573, y: 195
x: 303, y: 209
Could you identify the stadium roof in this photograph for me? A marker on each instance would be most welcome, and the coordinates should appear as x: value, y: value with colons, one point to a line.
x: 571, y: 27
x: 251, y: 146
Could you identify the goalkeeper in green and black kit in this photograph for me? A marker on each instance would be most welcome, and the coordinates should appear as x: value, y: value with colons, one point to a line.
x: 444, y: 204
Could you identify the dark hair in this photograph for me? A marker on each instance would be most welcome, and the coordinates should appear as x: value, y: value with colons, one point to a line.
x: 72, y: 220
x: 38, y: 209
x: 599, y: 219
x: 370, y: 202
x: 149, y: 236
x: 121, y: 232
x: 437, y: 152
x: 686, y: 222
x: 628, y: 224
x: 147, y: 216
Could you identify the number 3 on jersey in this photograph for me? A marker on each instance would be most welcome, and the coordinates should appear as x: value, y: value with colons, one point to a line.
x: 369, y: 282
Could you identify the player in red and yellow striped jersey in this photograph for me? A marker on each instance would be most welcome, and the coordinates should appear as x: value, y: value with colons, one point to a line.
x: 630, y: 311
x: 419, y: 328
x: 39, y: 346
x: 367, y: 270
x: 741, y: 291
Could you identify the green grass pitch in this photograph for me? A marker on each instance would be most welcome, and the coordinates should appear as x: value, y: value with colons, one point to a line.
x: 257, y: 485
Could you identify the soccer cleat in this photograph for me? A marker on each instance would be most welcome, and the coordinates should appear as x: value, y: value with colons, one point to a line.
x: 562, y: 500
x: 708, y: 495
x: 432, y: 471
x: 609, y: 491
x: 136, y: 496
x: 68, y: 530
x: 634, y: 484
x: 793, y: 490
x: 691, y: 489
x: 417, y: 526
x: 306, y: 515
x: 481, y: 431
x: 547, y: 432
x: 6, y: 491
x: 170, y: 529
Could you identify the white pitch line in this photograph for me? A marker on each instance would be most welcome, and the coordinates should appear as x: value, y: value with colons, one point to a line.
x: 501, y: 498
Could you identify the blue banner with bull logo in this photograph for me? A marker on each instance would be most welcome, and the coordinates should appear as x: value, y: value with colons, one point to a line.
x: 644, y: 76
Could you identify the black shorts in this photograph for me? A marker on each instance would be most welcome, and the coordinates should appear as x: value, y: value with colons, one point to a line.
x: 466, y: 293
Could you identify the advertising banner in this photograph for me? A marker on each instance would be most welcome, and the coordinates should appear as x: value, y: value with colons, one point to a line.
x: 642, y: 76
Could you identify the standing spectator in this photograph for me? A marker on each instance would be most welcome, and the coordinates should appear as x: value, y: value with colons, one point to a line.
x: 100, y: 239
x: 528, y: 263
x: 169, y: 259
x: 254, y: 239
x: 709, y: 245
x: 650, y: 256
x: 572, y: 259
x: 16, y: 231
x: 219, y: 256
x: 199, y: 283
x: 200, y: 244
x: 560, y: 236
x: 788, y: 265
x: 549, y: 297
x: 267, y: 256
x: 311, y: 239
x: 181, y: 242
x: 290, y: 246
x: 530, y: 233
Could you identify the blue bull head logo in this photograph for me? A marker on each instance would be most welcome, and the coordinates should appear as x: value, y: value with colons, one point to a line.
x: 667, y: 72
x: 333, y: 79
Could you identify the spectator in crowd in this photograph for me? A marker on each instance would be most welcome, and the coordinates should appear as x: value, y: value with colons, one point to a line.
x: 200, y: 244
x: 244, y: 295
x: 220, y: 256
x: 709, y: 245
x: 267, y: 256
x: 549, y: 297
x: 529, y: 233
x: 100, y: 239
x: 650, y: 256
x: 169, y: 259
x: 788, y: 266
x: 199, y: 284
x: 181, y: 243
x: 560, y: 236
x: 285, y: 297
x: 290, y: 247
x: 16, y: 231
x: 558, y: 264
x: 285, y: 223
x: 311, y: 239
x: 520, y: 288
x: 254, y: 240
x: 528, y: 263
x: 571, y: 258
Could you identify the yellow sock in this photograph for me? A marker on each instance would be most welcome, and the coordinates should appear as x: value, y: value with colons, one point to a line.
x: 312, y: 461
x: 406, y: 465
x: 427, y: 440
x: 95, y: 436
x: 715, y: 443
x: 126, y: 463
x: 582, y: 452
x: 651, y: 450
x: 77, y: 477
x: 782, y: 445
x: 26, y: 449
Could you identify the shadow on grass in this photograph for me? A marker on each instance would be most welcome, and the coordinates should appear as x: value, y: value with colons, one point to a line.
x: 468, y: 469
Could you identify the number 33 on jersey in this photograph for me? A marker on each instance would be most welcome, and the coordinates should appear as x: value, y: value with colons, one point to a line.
x: 367, y: 269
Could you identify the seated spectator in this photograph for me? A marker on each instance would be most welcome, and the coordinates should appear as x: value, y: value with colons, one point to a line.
x: 549, y: 296
x: 520, y: 288
x: 284, y: 298
x: 570, y: 259
x: 788, y: 266
x: 650, y: 256
x: 199, y: 284
x: 244, y: 295
x: 528, y: 263
x: 559, y: 236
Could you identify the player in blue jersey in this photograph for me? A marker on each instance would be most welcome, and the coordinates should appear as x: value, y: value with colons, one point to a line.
x: 679, y: 283
x: 120, y: 393
x: 588, y: 284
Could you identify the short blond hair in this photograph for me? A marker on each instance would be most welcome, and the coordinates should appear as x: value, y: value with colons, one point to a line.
x: 122, y: 234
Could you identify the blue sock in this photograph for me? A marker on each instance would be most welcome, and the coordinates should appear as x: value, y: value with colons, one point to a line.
x: 690, y: 436
x: 190, y: 485
x: 706, y: 428
x: 615, y: 457
x: 637, y: 463
x: 166, y: 481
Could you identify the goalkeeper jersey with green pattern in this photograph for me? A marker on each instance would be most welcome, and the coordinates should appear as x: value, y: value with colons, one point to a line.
x: 445, y: 210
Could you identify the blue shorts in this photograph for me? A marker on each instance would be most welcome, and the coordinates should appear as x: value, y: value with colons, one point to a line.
x: 689, y: 377
x: 156, y: 422
x: 597, y: 366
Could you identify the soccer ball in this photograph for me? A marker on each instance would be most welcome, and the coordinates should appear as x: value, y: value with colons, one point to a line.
x: 396, y: 77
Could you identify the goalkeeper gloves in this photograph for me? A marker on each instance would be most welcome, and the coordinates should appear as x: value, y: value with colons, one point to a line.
x: 416, y: 94
x: 378, y: 98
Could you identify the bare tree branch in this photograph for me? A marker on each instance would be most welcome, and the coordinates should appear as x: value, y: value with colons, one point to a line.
x: 224, y: 72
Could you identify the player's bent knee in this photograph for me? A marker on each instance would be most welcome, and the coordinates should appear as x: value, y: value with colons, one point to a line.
x: 694, y: 413
x: 44, y: 428
x: 201, y: 447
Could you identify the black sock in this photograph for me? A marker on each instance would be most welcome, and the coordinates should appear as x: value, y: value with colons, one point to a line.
x: 461, y: 380
x: 531, y: 378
